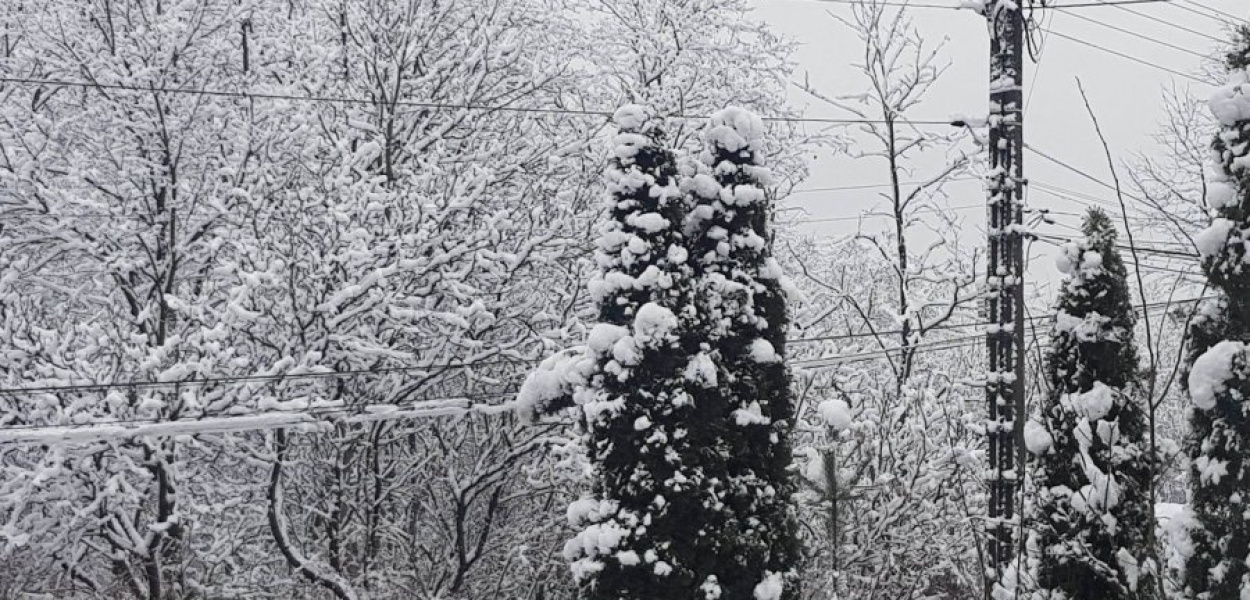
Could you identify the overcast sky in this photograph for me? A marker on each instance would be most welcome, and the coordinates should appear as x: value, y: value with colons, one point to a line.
x: 1126, y: 95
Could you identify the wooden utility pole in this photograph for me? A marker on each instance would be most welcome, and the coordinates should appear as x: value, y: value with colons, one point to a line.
x: 1005, y: 286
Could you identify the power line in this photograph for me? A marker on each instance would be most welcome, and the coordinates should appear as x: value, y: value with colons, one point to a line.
x: 873, y: 185
x: 425, y: 407
x: 958, y: 7
x: 1050, y: 191
x: 1135, y: 34
x: 897, y: 4
x: 1073, y: 169
x: 148, y: 384
x: 1140, y: 248
x: 948, y: 344
x: 1165, y: 22
x: 1189, y: 275
x: 1216, y: 10
x: 1037, y: 62
x: 1223, y: 19
x: 194, y: 382
x: 1041, y: 317
x: 1175, y: 246
x: 871, y: 215
x: 933, y: 346
x: 1078, y: 197
x: 260, y: 420
x: 427, y: 104
x: 317, y: 416
x: 1123, y: 55
x: 1097, y: 4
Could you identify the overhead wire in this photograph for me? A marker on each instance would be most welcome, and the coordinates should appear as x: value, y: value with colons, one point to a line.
x: 1164, y: 22
x: 960, y: 7
x: 1215, y: 10
x: 253, y: 95
x: 1134, y: 34
x: 251, y: 421
x: 873, y: 215
x: 254, y: 378
x: 1084, y: 174
x: 428, y: 406
x: 1142, y: 248
x: 1223, y: 17
x: 1123, y: 55
x: 873, y: 186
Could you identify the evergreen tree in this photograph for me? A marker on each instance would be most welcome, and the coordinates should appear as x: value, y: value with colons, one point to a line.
x: 1219, y: 375
x: 742, y: 317
x: 634, y: 388
x: 682, y: 384
x: 1092, y: 514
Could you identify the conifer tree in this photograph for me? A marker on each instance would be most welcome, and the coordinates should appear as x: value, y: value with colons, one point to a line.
x: 1219, y: 375
x: 633, y: 388
x: 1092, y: 475
x: 682, y: 383
x: 742, y: 315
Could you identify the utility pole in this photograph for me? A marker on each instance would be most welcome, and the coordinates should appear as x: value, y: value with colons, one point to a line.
x: 1005, y: 286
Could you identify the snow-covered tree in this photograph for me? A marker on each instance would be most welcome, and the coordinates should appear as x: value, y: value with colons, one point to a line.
x: 682, y: 382
x: 155, y: 235
x: 1219, y: 376
x: 1092, y: 511
x: 192, y: 204
x: 642, y: 387
x: 742, y: 314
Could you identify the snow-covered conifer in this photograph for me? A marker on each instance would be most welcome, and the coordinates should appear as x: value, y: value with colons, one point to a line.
x: 1219, y: 375
x: 742, y: 314
x: 1092, y: 513
x: 637, y: 533
x: 682, y: 381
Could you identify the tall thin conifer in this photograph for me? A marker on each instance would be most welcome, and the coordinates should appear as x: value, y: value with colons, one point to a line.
x: 1092, y: 473
x: 1219, y: 374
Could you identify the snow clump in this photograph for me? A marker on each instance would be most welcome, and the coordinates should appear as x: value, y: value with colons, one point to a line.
x: 770, y: 588
x: 836, y: 414
x: 1036, y: 438
x: 1094, y: 404
x: 1231, y: 103
x: 736, y: 129
x: 1213, y: 239
x: 762, y: 351
x: 1212, y: 370
x: 631, y: 117
x: 557, y: 377
x: 1221, y: 194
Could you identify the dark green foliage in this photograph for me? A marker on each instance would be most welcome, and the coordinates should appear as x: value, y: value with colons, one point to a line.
x: 742, y: 311
x: 1092, y: 346
x: 687, y: 426
x: 1074, y: 364
x: 1223, y: 539
x: 1239, y: 56
x: 1218, y: 436
x: 643, y: 264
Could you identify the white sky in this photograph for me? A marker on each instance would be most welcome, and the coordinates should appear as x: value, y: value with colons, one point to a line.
x: 1127, y: 96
